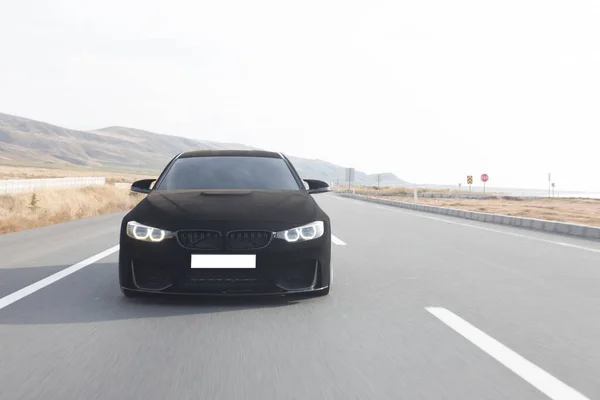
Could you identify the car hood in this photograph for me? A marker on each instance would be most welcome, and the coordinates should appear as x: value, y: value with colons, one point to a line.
x: 261, y: 209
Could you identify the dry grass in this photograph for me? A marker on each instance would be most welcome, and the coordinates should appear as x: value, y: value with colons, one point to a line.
x: 576, y: 211
x: 28, y: 172
x: 60, y: 205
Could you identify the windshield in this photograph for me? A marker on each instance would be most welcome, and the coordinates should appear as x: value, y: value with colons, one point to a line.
x: 229, y: 172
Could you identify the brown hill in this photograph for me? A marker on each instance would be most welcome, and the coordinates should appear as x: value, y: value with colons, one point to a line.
x: 30, y: 141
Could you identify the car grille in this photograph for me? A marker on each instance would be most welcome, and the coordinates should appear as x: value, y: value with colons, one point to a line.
x: 200, y: 239
x: 248, y: 240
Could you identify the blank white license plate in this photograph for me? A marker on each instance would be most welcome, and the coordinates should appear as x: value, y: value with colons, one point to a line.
x: 223, y: 260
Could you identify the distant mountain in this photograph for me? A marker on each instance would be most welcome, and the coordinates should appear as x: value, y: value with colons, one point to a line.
x: 26, y: 140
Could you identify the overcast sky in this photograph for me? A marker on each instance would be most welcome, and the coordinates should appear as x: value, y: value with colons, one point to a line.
x: 429, y: 90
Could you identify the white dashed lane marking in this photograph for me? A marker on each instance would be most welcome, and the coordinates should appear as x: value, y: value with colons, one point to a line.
x: 337, y: 241
x: 34, y: 287
x: 531, y: 373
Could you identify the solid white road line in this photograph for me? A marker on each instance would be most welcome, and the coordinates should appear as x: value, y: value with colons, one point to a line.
x: 537, y: 377
x: 34, y: 287
x: 337, y: 241
x: 416, y: 214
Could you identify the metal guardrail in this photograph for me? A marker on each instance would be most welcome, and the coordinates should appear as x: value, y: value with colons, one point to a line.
x: 31, y: 185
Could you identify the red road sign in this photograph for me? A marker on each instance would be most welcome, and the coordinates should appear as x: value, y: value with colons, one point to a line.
x: 484, y: 177
x: 552, y: 184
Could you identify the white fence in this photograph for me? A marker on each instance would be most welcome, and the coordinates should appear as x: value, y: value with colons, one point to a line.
x: 31, y: 185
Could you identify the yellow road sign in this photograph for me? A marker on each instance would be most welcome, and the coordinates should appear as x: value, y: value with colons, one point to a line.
x: 470, y: 179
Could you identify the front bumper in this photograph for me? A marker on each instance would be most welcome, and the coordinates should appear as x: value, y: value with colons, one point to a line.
x: 231, y: 293
x: 281, y: 268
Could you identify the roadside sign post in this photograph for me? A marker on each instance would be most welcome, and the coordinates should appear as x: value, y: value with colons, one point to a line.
x: 484, y: 179
x: 553, y: 185
x: 470, y: 181
x: 349, y: 176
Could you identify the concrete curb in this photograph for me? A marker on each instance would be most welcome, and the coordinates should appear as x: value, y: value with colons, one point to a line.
x: 447, y: 196
x: 562, y: 228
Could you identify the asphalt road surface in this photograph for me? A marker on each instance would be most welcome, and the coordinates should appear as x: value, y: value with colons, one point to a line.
x: 422, y: 307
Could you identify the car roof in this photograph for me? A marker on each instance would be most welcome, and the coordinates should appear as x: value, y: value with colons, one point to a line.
x: 233, y: 153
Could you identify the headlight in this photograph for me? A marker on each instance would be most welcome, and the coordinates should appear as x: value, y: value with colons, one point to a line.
x: 146, y: 233
x: 303, y: 233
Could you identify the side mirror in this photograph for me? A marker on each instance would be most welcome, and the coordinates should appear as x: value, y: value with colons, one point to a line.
x: 315, y: 186
x: 142, y: 186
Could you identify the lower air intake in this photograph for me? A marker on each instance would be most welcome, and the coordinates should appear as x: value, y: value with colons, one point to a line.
x: 151, y: 276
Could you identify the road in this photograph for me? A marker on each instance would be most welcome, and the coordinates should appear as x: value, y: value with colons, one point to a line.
x: 422, y: 307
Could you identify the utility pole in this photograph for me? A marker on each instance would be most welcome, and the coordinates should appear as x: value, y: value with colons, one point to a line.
x: 378, y: 180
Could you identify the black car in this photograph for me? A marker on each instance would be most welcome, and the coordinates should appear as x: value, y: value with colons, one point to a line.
x: 224, y: 223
